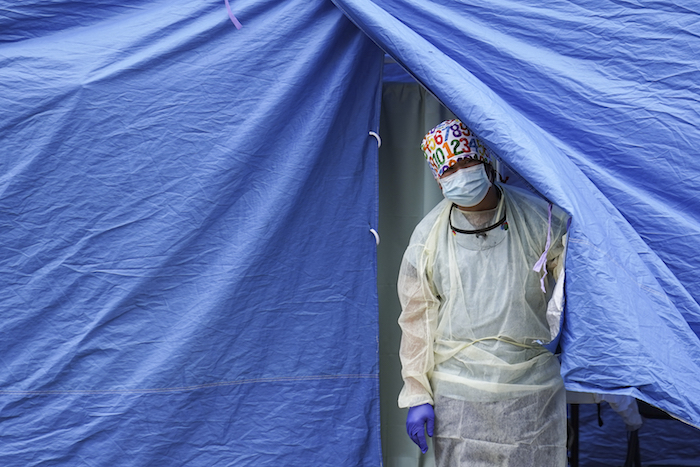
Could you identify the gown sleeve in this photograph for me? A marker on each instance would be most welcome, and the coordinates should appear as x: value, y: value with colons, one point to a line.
x: 418, y: 320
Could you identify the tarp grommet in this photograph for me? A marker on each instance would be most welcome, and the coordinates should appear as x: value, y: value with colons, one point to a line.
x: 376, y: 235
x: 378, y: 138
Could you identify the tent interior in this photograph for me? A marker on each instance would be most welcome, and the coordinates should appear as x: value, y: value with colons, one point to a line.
x: 190, y: 214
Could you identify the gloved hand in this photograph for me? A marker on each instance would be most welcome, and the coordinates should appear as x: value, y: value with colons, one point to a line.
x: 418, y: 417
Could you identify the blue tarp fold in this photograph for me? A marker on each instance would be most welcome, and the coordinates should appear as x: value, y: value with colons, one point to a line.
x: 188, y: 273
x: 594, y: 105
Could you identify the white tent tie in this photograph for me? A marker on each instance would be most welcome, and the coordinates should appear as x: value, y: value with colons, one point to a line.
x: 376, y: 235
x: 378, y: 138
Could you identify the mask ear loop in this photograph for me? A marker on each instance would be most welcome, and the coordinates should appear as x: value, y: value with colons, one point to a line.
x: 499, y: 175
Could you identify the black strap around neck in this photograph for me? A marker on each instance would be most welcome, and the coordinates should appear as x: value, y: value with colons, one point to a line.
x: 477, y: 231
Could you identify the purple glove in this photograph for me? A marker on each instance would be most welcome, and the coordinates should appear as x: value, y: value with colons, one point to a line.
x: 415, y: 424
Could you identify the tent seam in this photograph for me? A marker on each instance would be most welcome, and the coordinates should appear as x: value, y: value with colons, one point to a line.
x: 195, y: 387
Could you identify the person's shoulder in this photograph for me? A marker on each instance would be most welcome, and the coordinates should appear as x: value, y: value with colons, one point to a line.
x: 525, y: 197
x: 522, y: 196
x: 534, y: 208
x: 420, y: 233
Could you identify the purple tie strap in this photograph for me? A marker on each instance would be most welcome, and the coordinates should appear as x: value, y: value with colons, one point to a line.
x: 230, y: 15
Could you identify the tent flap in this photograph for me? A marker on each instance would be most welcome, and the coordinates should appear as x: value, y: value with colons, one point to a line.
x: 593, y: 105
x: 189, y: 276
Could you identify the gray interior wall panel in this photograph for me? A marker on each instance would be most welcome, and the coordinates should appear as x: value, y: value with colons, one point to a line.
x: 407, y: 191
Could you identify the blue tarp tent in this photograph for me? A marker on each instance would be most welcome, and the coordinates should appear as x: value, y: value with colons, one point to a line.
x: 188, y: 273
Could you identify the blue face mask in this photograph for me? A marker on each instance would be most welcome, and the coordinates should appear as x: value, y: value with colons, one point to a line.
x: 466, y: 187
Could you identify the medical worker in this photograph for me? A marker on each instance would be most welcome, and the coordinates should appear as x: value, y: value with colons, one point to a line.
x: 474, y: 291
